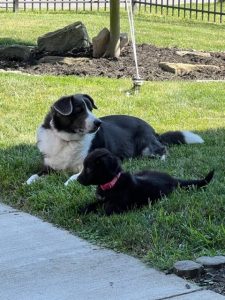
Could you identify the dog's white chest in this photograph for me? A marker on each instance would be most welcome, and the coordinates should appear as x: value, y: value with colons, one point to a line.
x: 60, y: 154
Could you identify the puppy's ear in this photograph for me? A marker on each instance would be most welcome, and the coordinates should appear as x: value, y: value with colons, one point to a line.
x: 91, y: 100
x: 64, y: 106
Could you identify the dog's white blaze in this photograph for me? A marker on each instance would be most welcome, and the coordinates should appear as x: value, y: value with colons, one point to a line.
x: 89, y: 121
x: 60, y: 154
x: 192, y: 138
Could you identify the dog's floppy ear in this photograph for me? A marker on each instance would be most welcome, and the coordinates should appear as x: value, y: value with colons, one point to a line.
x: 64, y: 106
x: 91, y: 100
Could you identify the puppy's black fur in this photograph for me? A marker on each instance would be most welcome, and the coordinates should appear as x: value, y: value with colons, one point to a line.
x: 128, y: 191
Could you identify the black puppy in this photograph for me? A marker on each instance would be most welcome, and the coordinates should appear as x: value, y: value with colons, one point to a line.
x: 119, y: 191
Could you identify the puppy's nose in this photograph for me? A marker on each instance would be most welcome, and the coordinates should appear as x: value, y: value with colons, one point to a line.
x: 97, y: 123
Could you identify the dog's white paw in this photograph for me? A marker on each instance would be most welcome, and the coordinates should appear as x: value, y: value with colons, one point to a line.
x: 32, y: 179
x: 163, y: 157
x: 72, y: 178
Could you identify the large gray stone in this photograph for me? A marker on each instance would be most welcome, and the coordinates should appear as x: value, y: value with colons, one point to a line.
x: 212, y: 261
x: 73, y: 36
x: 16, y: 52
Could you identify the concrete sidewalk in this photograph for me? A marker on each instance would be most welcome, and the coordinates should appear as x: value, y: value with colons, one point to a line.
x: 41, y: 262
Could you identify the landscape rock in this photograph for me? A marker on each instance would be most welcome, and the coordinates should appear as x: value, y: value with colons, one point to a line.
x: 183, y: 69
x: 100, y: 43
x: 212, y: 261
x: 124, y: 40
x: 193, y: 53
x: 73, y: 36
x: 187, y: 268
x: 62, y: 60
x: 16, y: 52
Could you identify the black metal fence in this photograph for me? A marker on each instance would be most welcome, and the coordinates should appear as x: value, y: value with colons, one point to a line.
x: 207, y: 10
x: 75, y: 5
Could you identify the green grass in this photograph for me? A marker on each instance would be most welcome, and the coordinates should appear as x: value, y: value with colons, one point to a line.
x: 182, y: 226
x: 25, y: 27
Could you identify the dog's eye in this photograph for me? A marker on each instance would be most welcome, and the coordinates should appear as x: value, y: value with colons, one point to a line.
x: 79, y: 109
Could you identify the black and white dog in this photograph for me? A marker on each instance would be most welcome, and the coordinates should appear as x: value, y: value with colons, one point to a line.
x: 119, y: 191
x: 70, y: 131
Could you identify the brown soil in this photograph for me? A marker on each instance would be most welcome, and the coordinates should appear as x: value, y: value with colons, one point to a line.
x: 149, y: 57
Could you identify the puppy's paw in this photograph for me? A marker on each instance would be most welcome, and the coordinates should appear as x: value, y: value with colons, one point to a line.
x: 32, y: 179
x: 92, y: 207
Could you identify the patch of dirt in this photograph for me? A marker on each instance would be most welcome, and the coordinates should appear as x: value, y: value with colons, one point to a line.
x: 149, y: 58
x: 213, y: 279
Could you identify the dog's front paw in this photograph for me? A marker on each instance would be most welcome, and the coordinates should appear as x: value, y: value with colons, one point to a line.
x: 32, y: 179
x: 72, y: 178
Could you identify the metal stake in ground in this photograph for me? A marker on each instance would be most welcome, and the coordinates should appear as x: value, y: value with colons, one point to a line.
x: 137, y: 81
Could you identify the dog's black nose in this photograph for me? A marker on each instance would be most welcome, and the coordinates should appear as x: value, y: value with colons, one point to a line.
x: 97, y: 123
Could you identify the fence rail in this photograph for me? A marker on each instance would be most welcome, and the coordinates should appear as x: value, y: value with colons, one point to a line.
x: 54, y: 5
x: 208, y: 10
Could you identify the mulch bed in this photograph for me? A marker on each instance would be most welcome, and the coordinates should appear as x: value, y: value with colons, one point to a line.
x: 213, y: 279
x: 149, y: 58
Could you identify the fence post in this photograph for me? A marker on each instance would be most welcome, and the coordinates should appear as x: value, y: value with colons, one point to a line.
x: 15, y: 5
x: 134, y: 5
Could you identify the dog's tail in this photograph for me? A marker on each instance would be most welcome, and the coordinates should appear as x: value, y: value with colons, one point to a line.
x: 180, y: 137
x: 196, y: 182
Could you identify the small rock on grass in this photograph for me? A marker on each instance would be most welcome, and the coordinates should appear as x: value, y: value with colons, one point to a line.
x: 212, y: 261
x: 187, y: 268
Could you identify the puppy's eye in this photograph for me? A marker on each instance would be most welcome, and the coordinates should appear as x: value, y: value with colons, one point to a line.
x: 88, y: 170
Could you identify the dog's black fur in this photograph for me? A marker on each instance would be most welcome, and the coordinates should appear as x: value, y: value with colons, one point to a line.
x: 129, y: 191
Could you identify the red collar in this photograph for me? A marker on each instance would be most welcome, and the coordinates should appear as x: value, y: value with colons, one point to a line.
x: 110, y: 185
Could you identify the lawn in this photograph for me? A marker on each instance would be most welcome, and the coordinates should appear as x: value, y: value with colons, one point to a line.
x: 25, y: 27
x: 182, y: 226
